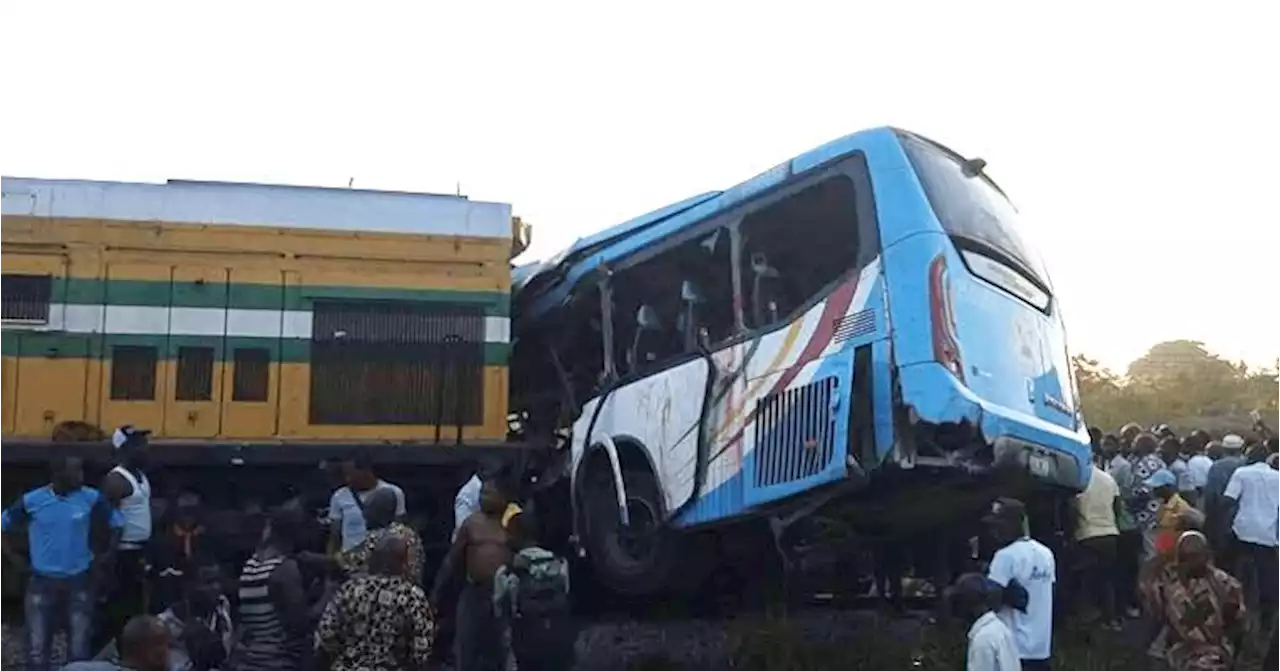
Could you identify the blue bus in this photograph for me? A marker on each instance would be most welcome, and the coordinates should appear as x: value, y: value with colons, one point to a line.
x: 850, y: 332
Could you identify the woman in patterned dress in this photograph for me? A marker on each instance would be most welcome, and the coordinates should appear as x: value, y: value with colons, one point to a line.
x: 1200, y: 606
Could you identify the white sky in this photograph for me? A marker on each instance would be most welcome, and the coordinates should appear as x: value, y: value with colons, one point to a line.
x: 1140, y: 145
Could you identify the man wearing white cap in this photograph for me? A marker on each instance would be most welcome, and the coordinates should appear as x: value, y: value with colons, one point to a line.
x: 1215, y: 506
x: 128, y: 489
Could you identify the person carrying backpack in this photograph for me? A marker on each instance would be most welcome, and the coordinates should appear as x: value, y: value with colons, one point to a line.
x: 531, y: 595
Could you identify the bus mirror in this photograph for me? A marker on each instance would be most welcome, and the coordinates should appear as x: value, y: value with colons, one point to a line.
x: 974, y: 167
x: 647, y: 319
x: 689, y: 293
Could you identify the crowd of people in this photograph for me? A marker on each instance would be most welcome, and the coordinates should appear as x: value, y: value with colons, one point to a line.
x: 129, y: 598
x: 1178, y: 534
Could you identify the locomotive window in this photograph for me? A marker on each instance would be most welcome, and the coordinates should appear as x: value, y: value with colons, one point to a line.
x: 195, y: 374
x: 251, y: 374
x: 26, y: 297
x: 133, y: 373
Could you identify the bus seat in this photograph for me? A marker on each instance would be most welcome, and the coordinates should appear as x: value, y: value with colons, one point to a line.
x: 690, y: 298
x: 766, y: 289
x: 646, y: 345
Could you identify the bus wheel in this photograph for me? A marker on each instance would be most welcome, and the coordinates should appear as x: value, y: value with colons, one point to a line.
x: 635, y: 559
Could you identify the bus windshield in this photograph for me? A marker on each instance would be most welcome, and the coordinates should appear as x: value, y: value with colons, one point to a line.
x: 972, y: 210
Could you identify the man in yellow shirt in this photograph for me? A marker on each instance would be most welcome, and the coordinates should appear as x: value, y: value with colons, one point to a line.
x: 1174, y: 511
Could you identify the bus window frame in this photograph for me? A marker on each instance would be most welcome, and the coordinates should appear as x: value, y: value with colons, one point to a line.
x: 853, y: 166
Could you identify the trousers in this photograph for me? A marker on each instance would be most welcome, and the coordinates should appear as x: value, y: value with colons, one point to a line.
x: 53, y: 602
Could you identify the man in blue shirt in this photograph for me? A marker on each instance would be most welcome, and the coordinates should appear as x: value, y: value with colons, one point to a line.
x: 62, y: 520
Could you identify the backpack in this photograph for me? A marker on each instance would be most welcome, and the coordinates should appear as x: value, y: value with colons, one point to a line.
x: 543, y: 590
x: 541, y: 629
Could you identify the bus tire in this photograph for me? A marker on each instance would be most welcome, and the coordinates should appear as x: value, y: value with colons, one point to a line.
x: 635, y: 560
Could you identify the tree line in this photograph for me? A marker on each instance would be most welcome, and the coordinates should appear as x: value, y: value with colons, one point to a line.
x: 1180, y: 383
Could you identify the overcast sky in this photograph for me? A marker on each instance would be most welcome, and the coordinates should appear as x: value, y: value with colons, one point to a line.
x: 1141, y: 146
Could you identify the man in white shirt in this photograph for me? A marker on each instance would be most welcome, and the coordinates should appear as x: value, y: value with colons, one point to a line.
x: 346, y: 507
x: 991, y: 648
x: 1097, y: 508
x: 1023, y: 561
x: 1198, y: 468
x: 1255, y: 492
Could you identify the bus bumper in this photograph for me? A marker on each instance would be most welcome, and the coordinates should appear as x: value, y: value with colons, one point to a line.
x: 1047, y: 452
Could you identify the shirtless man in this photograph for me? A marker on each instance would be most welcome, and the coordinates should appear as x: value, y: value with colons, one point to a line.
x: 482, y: 546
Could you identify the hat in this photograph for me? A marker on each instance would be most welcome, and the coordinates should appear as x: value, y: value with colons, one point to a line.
x: 1161, y: 478
x: 973, y: 585
x: 1006, y: 510
x: 128, y: 434
x: 1232, y: 442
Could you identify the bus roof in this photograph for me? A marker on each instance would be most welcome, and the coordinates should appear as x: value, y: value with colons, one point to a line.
x: 555, y: 279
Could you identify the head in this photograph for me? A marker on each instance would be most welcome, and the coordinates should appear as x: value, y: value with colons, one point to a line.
x: 144, y: 644
x: 1128, y: 433
x: 1110, y: 445
x: 390, y: 556
x: 357, y: 472
x: 1170, y: 449
x: 380, y: 507
x: 186, y: 510
x: 1095, y: 438
x: 1192, y: 554
x: 202, y: 586
x: 1232, y: 445
x: 493, y: 500
x: 1197, y: 441
x: 492, y: 470
x: 1214, y: 449
x: 1007, y: 520
x: 1144, y: 444
x: 1163, y: 484
x: 1257, y: 454
x: 66, y: 474
x: 131, y: 445
x: 1165, y: 431
x: 284, y: 529
x: 1191, y: 520
x: 973, y: 596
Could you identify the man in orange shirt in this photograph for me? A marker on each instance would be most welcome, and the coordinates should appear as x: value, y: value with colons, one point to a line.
x: 1174, y: 511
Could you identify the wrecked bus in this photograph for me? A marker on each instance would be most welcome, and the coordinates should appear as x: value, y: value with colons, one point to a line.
x: 857, y: 329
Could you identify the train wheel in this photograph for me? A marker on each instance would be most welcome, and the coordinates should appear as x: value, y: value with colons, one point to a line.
x: 631, y: 560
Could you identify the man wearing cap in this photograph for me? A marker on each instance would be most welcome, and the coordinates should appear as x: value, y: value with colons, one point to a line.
x: 1022, y: 564
x: 127, y: 488
x: 975, y: 598
x: 1214, y: 505
x: 1173, y: 511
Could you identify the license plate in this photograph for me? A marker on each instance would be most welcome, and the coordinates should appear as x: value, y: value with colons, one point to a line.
x: 1040, y: 465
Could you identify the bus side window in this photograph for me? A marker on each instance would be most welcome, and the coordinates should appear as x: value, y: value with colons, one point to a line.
x: 794, y: 250
x: 580, y: 346
x: 662, y: 304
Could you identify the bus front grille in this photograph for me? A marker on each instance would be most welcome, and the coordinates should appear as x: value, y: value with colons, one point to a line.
x: 795, y: 433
